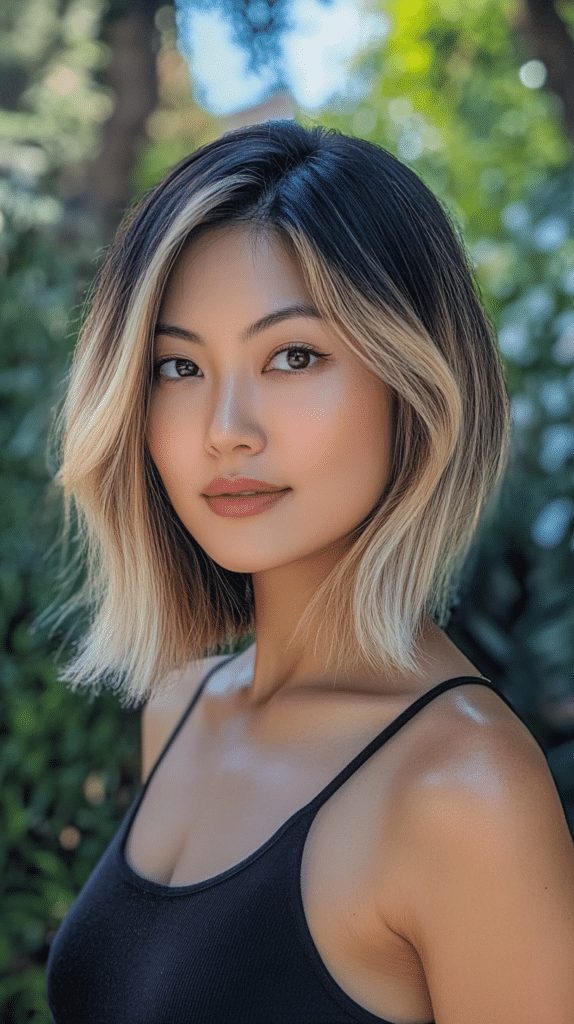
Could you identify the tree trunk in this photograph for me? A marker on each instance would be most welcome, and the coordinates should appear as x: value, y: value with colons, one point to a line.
x: 553, y: 45
x: 131, y: 75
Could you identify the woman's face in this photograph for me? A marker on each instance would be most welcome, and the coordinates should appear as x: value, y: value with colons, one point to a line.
x: 316, y: 422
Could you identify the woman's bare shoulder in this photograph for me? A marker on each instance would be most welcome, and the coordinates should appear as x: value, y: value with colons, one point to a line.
x: 163, y: 711
x: 484, y: 886
x: 464, y: 737
x: 469, y: 762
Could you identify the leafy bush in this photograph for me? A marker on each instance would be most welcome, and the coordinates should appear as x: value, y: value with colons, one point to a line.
x: 519, y: 609
x: 68, y: 767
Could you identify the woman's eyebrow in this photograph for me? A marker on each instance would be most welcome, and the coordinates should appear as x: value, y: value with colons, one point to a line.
x: 298, y: 309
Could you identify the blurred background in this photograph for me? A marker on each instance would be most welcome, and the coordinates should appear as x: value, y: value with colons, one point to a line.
x: 97, y: 99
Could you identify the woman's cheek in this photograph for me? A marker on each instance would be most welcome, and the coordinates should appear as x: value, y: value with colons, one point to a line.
x: 162, y: 430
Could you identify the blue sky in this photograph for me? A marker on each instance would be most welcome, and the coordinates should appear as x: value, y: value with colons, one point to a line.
x: 317, y: 54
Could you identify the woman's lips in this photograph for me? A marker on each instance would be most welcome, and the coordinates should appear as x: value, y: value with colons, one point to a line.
x: 250, y: 505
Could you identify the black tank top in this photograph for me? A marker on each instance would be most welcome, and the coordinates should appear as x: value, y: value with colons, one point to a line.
x: 233, y: 949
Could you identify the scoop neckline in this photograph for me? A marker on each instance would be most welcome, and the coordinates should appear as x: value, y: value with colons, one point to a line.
x: 161, y: 889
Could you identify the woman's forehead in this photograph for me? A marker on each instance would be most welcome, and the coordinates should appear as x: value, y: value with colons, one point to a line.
x: 230, y: 261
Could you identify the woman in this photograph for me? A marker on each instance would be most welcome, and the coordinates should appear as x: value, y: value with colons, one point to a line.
x: 343, y: 822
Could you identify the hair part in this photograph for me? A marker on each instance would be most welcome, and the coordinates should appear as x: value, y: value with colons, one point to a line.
x: 386, y: 271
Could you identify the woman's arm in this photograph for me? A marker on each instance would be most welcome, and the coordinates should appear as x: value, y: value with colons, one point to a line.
x: 487, y: 884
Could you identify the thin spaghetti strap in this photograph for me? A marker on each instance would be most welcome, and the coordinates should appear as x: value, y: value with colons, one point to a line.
x: 381, y: 738
x: 186, y: 714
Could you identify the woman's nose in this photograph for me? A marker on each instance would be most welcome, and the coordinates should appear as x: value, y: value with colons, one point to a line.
x: 233, y: 418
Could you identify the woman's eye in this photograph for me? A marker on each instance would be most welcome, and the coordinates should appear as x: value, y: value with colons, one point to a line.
x: 301, y: 361
x: 174, y: 369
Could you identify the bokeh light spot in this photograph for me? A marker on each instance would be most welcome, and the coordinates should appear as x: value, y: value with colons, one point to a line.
x: 70, y: 837
x: 552, y: 522
x: 533, y: 74
x: 94, y: 788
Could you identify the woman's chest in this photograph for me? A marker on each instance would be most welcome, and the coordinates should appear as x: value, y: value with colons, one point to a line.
x: 211, y: 805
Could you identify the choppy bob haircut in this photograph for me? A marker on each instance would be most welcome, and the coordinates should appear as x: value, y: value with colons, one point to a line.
x: 387, y: 273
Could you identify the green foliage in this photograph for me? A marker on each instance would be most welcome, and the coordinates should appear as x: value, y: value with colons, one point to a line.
x: 50, y: 56
x: 446, y: 95
x: 68, y: 767
x: 529, y: 551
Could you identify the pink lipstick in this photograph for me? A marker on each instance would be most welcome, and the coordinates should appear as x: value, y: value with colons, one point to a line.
x: 250, y: 505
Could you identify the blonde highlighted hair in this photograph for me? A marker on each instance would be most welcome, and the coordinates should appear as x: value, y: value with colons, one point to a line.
x: 387, y: 273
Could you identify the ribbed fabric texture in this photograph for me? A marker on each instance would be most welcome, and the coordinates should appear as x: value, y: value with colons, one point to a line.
x: 234, y: 949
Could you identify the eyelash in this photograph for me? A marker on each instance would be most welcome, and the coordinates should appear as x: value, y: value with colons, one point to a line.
x: 286, y: 348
